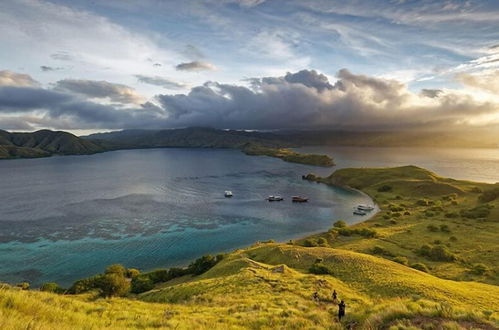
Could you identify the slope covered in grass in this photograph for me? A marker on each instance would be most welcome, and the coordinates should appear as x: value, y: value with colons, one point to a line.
x: 421, y: 210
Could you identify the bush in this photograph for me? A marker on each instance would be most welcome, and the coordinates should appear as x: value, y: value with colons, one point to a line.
x: 476, y: 190
x: 432, y: 228
x: 385, y: 188
x: 453, y: 238
x: 23, y: 285
x: 452, y: 215
x: 364, y: 232
x: 489, y: 195
x: 420, y: 266
x: 437, y: 253
x: 322, y: 242
x: 84, y: 285
x: 132, y: 272
x: 320, y: 269
x: 429, y: 214
x: 479, y: 269
x: 51, y: 287
x: 141, y: 283
x: 116, y: 269
x: 340, y: 224
x: 113, y: 285
x: 203, y: 264
x: 422, y: 202
x: 381, y: 251
x: 407, y: 213
x: 481, y: 211
x: 310, y: 243
x: 159, y: 275
x: 445, y: 228
x: 401, y: 260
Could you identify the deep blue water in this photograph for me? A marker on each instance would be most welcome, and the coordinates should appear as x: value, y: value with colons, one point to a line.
x: 64, y: 218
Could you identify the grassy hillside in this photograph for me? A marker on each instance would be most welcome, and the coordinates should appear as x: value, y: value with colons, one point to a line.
x: 443, y: 223
x: 287, y: 155
x: 44, y: 143
x: 269, y: 286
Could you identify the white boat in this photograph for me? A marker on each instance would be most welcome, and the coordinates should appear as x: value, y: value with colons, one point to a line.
x: 359, y: 212
x: 275, y: 198
x: 228, y: 193
x: 363, y: 207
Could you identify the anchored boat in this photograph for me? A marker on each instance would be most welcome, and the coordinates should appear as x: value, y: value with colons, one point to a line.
x: 275, y: 198
x: 228, y: 193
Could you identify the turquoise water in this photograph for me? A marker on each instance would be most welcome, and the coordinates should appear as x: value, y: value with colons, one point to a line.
x: 64, y: 218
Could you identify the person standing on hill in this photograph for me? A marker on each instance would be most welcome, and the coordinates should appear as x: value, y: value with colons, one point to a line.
x: 335, y: 296
x: 341, y: 310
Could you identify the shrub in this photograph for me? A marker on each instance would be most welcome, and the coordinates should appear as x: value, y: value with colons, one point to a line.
x: 385, y: 188
x: 481, y: 211
x: 84, y: 285
x: 322, y: 241
x: 393, y: 222
x: 51, y: 287
x: 453, y: 238
x: 386, y: 216
x: 203, y: 264
x: 113, y: 284
x: 141, y: 283
x: 364, y: 232
x: 437, y: 253
x: 23, y: 285
x: 476, y: 190
x: 401, y: 260
x: 451, y: 215
x: 429, y: 214
x: 445, y: 228
x: 407, y: 213
x: 420, y: 266
x: 116, y: 269
x: 422, y: 202
x: 320, y: 269
x: 397, y: 214
x: 381, y: 251
x: 159, y: 275
x: 340, y: 224
x: 310, y: 243
x: 489, y: 195
x: 132, y: 272
x: 479, y: 269
x: 432, y: 228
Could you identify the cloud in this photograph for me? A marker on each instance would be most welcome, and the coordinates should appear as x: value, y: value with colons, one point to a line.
x: 307, y: 100
x: 46, y: 68
x: 159, y: 81
x: 195, y: 66
x: 62, y: 56
x: 300, y: 100
x: 487, y: 81
x: 101, y: 89
x: 9, y: 78
x: 431, y: 93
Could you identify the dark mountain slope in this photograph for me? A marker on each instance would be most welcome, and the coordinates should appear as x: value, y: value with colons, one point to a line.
x: 44, y: 143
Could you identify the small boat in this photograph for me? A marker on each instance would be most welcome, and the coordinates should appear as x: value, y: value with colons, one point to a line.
x: 299, y: 199
x: 363, y: 207
x: 359, y: 212
x: 228, y: 193
x: 275, y: 198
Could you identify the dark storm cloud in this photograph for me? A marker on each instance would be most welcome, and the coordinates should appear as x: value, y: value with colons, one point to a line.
x: 160, y: 81
x: 307, y: 100
x: 304, y: 99
x: 101, y: 89
x: 195, y: 66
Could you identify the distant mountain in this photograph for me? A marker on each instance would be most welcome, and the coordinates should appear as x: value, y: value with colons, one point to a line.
x: 44, y: 143
x: 197, y: 137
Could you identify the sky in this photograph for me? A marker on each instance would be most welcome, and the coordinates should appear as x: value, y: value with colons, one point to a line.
x: 87, y: 66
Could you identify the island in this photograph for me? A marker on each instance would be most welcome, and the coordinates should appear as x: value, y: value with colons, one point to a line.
x: 412, y: 264
x: 288, y: 155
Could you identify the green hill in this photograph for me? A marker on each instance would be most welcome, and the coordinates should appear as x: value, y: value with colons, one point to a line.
x: 420, y: 211
x: 44, y: 143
